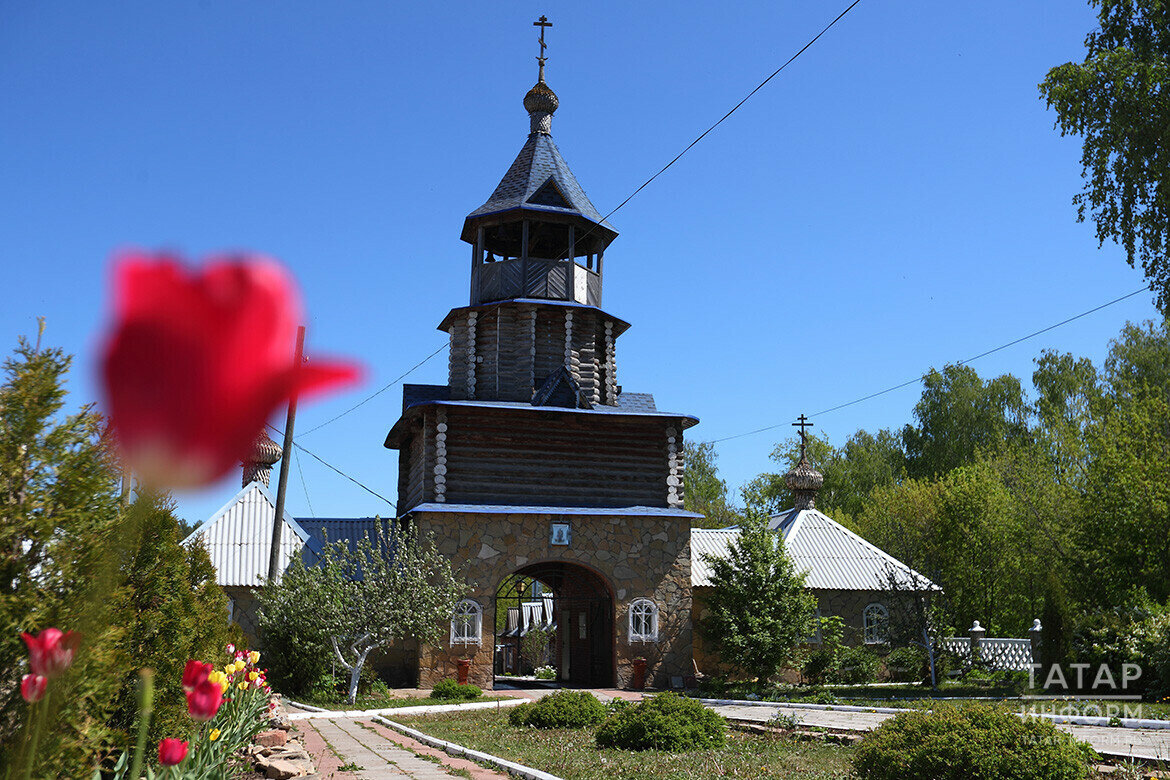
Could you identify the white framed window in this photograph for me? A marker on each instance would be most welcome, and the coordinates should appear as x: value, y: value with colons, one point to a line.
x: 466, y: 623
x: 877, y: 624
x: 643, y: 621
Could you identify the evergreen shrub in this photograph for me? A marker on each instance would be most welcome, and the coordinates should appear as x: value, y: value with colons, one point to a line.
x: 449, y: 689
x: 665, y: 722
x: 560, y: 710
x: 855, y: 666
x: 907, y: 664
x: 976, y: 742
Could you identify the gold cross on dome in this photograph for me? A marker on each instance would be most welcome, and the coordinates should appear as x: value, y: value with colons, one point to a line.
x: 542, y: 23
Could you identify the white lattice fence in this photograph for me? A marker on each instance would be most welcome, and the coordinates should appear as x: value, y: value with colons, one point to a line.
x: 1011, y: 654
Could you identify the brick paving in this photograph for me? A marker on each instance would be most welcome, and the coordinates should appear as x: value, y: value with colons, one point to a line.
x: 337, y: 742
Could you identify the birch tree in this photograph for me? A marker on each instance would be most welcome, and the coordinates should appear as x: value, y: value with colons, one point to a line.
x: 392, y: 587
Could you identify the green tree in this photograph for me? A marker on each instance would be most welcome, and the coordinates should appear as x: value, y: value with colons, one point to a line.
x: 1126, y: 537
x: 1123, y: 528
x: 59, y: 554
x: 1117, y: 100
x: 77, y: 558
x: 360, y: 597
x: 851, y: 472
x: 1068, y: 395
x: 705, y: 492
x: 170, y: 609
x: 958, y: 415
x: 759, y: 609
x: 292, y: 632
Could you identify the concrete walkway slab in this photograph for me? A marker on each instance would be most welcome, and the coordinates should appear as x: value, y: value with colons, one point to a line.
x: 1147, y: 744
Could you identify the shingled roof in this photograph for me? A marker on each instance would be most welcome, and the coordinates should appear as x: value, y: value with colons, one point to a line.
x: 524, y: 187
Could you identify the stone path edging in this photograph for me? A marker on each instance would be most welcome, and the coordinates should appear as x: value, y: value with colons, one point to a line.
x: 511, y: 767
x: 1074, y: 720
x: 425, y: 709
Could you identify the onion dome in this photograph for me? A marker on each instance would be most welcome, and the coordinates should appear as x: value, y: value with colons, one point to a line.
x: 541, y: 103
x: 258, y: 463
x: 803, y: 480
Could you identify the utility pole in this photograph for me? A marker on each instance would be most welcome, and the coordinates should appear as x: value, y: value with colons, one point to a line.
x: 286, y: 455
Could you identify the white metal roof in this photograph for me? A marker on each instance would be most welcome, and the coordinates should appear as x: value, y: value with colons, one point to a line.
x: 239, y: 537
x: 834, y: 557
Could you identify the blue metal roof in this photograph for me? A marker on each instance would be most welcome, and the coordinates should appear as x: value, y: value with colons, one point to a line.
x: 501, y: 509
x: 326, y: 530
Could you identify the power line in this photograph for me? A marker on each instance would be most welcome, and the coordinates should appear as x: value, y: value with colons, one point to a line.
x: 333, y: 468
x: 304, y: 485
x: 734, y: 108
x: 918, y: 379
x: 374, y: 395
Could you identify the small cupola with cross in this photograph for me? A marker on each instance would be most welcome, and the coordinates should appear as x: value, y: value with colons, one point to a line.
x: 803, y: 480
x: 538, y: 235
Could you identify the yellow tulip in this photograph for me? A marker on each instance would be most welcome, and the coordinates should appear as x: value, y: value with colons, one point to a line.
x: 253, y: 675
x: 253, y: 657
x: 243, y: 686
x: 219, y: 678
x: 214, y: 735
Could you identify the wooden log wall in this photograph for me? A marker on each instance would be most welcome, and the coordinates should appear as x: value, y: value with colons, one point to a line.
x: 504, y: 352
x: 557, y: 459
x: 412, y: 467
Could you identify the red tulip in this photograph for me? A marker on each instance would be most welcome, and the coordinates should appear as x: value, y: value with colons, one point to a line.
x: 195, y: 673
x: 171, y: 751
x: 50, y: 652
x: 197, y: 362
x: 32, y: 687
x: 203, y: 702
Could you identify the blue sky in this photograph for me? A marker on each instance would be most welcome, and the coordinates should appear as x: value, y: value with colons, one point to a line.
x: 896, y: 199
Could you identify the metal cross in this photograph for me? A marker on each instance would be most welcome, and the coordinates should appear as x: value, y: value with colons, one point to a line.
x: 542, y: 23
x: 802, y: 423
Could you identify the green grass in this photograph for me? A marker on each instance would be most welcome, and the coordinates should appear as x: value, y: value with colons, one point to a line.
x: 571, y: 754
x: 381, y: 701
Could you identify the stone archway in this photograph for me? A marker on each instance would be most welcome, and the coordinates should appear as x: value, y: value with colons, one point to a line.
x: 579, y: 613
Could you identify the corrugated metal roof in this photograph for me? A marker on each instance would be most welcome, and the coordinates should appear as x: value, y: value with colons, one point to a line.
x: 494, y: 509
x: 326, y: 530
x: 239, y: 537
x: 834, y: 557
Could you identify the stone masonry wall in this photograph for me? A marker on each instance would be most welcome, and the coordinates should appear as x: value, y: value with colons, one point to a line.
x: 849, y: 604
x: 640, y: 557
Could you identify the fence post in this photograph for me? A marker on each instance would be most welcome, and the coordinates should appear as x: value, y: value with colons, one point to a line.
x: 1034, y: 636
x: 977, y: 633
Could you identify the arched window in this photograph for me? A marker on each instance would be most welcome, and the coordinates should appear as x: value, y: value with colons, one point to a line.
x: 643, y: 621
x: 466, y: 623
x: 877, y: 624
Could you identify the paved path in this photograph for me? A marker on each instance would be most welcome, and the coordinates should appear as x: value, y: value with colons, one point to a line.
x: 1136, y: 743
x: 381, y: 753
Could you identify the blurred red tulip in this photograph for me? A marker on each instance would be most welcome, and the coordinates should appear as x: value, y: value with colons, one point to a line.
x: 50, y: 652
x: 197, y: 361
x: 171, y: 752
x: 195, y: 673
x: 32, y: 687
x: 204, y: 700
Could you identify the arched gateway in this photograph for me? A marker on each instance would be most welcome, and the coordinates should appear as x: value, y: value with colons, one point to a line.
x: 571, y: 608
x: 532, y: 460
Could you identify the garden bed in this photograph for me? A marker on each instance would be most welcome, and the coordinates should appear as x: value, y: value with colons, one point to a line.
x: 571, y: 753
